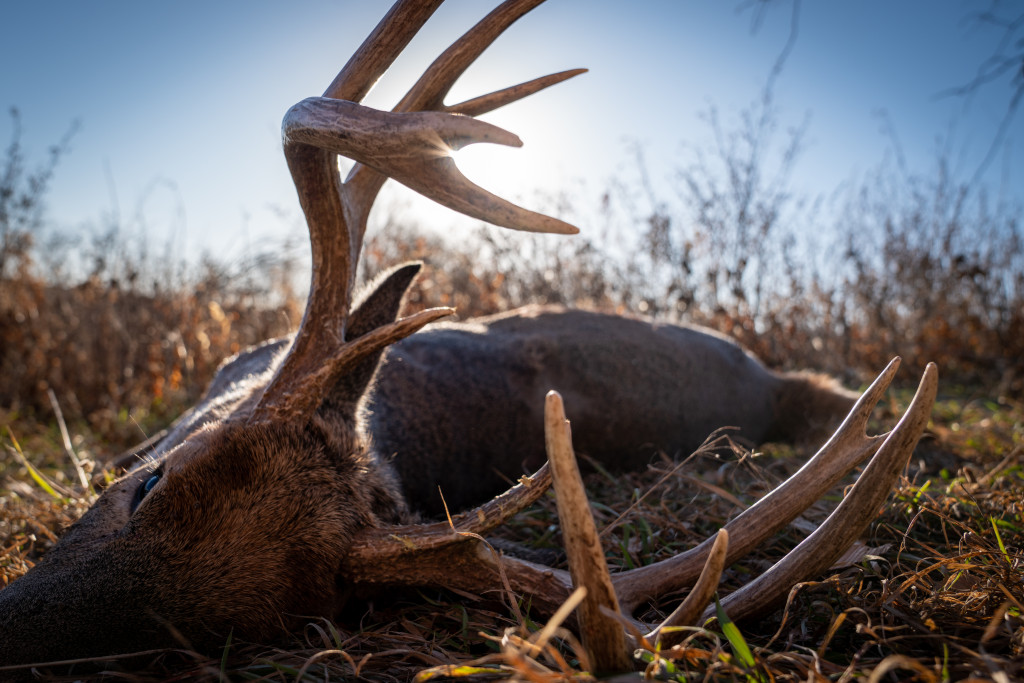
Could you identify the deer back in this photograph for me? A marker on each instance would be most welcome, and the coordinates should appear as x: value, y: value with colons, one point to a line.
x: 460, y: 406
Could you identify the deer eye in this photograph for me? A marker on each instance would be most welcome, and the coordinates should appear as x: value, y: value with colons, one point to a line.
x: 145, y: 487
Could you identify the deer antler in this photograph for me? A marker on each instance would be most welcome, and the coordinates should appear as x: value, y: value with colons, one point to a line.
x: 408, y: 144
x: 849, y: 446
x: 602, y: 635
x: 382, y: 555
x: 412, y: 144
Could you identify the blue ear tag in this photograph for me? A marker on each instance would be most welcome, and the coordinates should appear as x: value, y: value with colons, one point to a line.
x: 144, y: 489
x: 150, y: 483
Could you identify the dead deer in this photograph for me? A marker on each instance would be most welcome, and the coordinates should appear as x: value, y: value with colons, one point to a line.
x: 460, y: 406
x: 290, y: 483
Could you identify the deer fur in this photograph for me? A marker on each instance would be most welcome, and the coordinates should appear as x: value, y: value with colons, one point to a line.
x: 460, y: 405
x: 246, y: 538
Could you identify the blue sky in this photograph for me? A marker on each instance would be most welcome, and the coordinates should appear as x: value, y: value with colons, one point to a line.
x: 180, y: 103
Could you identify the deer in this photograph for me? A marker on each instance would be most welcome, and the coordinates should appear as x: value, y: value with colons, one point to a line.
x: 471, y: 432
x: 310, y: 468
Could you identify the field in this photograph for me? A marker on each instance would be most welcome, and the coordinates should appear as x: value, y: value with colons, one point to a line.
x: 103, y: 344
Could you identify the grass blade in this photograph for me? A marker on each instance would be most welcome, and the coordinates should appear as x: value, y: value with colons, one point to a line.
x: 740, y: 649
x: 36, y: 475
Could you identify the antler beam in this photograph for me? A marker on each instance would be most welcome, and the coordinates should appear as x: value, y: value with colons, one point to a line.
x: 411, y: 144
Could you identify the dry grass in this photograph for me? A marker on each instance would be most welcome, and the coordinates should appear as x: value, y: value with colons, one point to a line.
x: 933, y: 274
x: 938, y: 594
x: 938, y: 597
x: 122, y: 355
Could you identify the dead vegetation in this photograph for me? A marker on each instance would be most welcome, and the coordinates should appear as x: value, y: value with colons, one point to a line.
x: 932, y: 273
x: 933, y: 593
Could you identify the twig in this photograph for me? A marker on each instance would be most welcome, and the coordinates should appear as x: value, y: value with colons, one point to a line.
x: 68, y: 448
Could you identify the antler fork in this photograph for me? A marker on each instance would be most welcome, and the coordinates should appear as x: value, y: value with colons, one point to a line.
x: 408, y: 144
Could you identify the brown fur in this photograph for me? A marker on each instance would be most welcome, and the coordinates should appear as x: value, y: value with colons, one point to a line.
x: 808, y: 407
x: 234, y: 538
x: 460, y: 406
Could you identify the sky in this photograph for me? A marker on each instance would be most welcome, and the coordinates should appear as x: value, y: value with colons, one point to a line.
x: 178, y: 105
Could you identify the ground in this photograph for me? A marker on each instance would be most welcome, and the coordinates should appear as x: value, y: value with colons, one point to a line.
x: 935, y: 593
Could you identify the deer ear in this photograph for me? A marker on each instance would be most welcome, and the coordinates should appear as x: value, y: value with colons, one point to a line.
x: 378, y: 307
x: 381, y: 300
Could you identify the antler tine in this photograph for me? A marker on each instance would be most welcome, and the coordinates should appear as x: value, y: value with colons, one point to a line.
x: 374, y: 547
x: 499, y: 98
x: 690, y: 609
x: 452, y: 556
x: 847, y: 447
x: 444, y: 183
x: 380, y: 49
x: 411, y: 147
x: 316, y: 378
x: 818, y: 551
x: 433, y: 86
x: 602, y: 634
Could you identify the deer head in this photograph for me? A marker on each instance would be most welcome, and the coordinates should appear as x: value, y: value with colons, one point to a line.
x: 272, y: 503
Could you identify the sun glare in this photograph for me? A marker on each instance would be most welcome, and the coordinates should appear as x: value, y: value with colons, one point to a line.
x: 515, y: 173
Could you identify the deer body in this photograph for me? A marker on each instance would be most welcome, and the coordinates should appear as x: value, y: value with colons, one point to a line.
x: 461, y: 406
x: 458, y: 407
